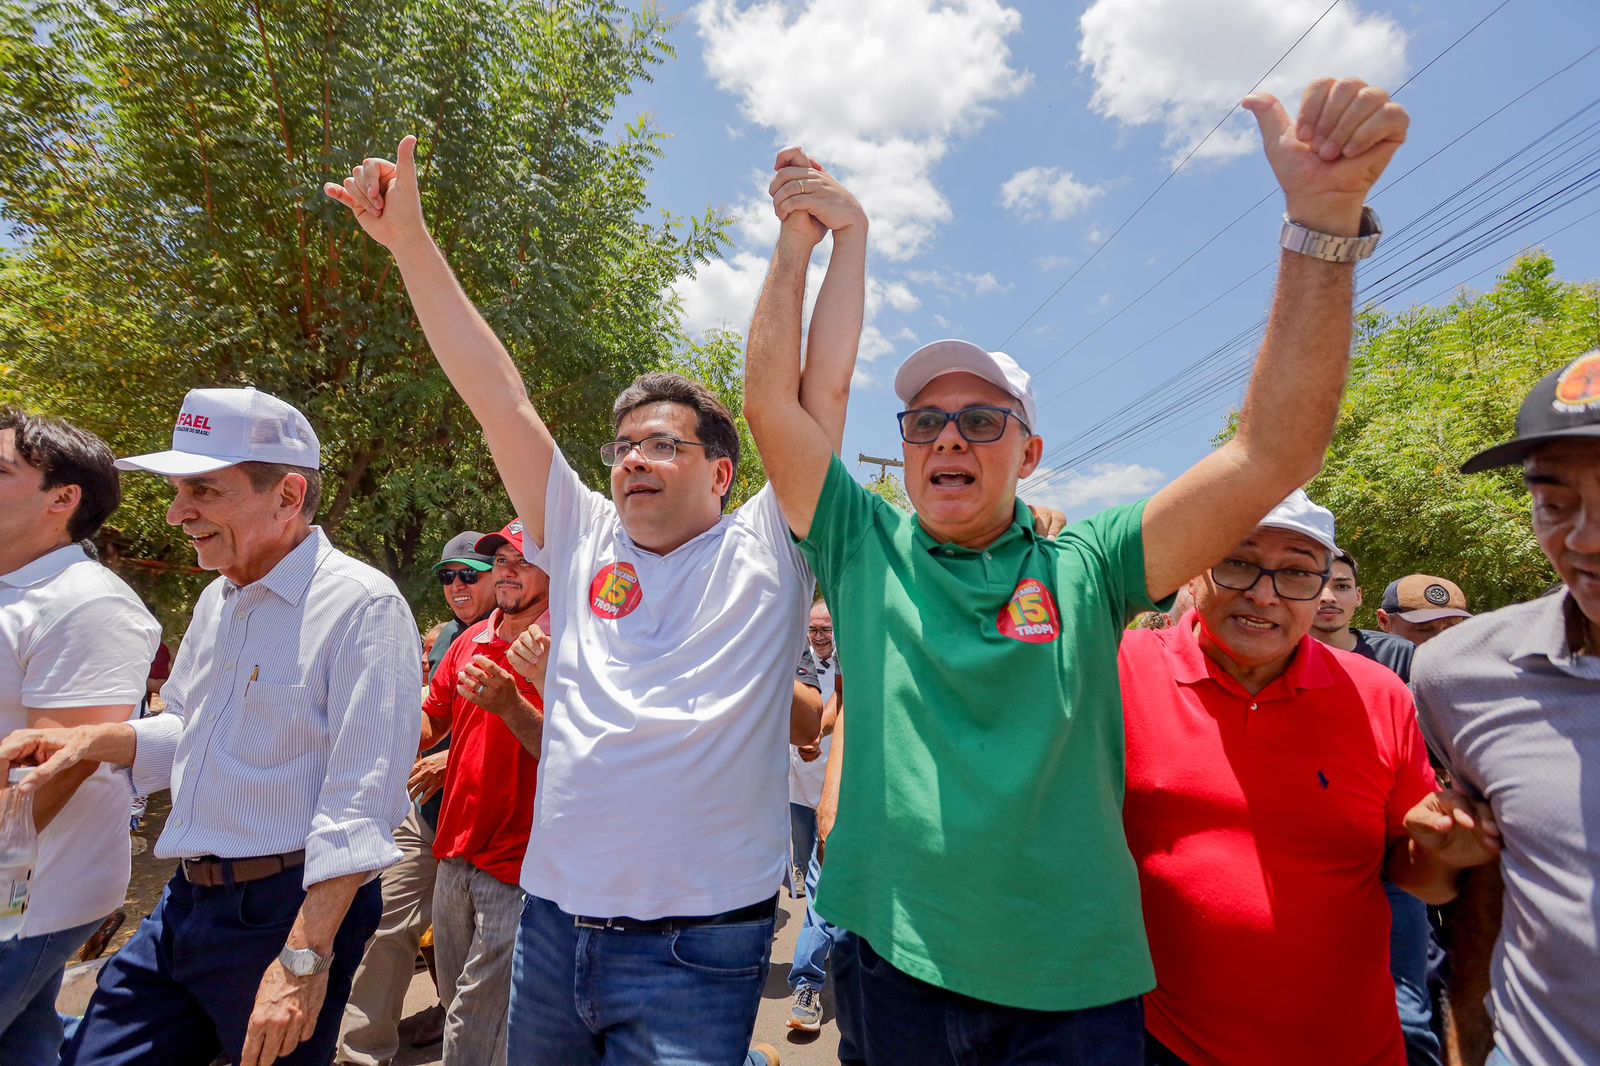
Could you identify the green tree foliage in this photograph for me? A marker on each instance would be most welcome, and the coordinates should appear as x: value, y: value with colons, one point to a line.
x: 161, y: 167
x: 1430, y: 387
x: 888, y: 486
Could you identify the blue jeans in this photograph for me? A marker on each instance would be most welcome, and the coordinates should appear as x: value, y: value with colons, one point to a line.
x: 620, y: 998
x: 802, y: 839
x: 30, y: 979
x: 844, y: 969
x: 1408, y: 964
x: 183, y: 988
x: 810, y: 967
x: 908, y: 1020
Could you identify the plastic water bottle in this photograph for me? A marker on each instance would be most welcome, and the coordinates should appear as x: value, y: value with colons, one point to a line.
x: 19, y: 850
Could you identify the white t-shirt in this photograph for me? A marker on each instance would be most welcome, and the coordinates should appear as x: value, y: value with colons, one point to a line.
x: 806, y: 778
x: 73, y: 634
x: 661, y: 778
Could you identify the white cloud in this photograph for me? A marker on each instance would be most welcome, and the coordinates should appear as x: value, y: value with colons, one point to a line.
x: 1103, y: 485
x: 900, y: 297
x: 1039, y: 191
x: 1181, y: 65
x: 903, y: 79
x: 1095, y: 235
x: 722, y: 294
x: 959, y: 283
x: 1051, y: 263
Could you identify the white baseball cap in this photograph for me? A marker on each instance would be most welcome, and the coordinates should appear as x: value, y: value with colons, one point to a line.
x: 963, y: 357
x: 223, y: 427
x: 1299, y: 515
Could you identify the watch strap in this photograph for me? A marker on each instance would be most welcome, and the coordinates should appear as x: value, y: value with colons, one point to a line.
x: 304, y: 962
x: 1326, y: 246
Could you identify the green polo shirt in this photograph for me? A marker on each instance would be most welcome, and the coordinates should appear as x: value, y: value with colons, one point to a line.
x: 979, y: 845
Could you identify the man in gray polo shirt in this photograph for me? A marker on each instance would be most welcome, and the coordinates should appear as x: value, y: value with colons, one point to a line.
x: 1510, y: 700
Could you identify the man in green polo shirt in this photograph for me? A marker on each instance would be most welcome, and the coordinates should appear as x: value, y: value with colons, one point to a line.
x: 986, y: 728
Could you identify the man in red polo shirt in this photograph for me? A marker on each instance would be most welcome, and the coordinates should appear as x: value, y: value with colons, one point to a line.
x: 1268, y: 780
x: 495, y: 718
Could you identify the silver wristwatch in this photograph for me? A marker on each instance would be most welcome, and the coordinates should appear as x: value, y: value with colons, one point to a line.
x: 1296, y: 238
x: 303, y: 962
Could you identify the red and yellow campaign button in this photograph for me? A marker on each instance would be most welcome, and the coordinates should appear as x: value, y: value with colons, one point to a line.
x: 1031, y: 615
x: 615, y: 591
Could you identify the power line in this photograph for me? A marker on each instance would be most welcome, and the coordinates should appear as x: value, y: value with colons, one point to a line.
x: 1265, y: 197
x: 1163, y: 184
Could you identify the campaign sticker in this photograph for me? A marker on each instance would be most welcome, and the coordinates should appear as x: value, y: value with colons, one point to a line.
x: 1578, y: 387
x: 1031, y: 615
x: 615, y: 591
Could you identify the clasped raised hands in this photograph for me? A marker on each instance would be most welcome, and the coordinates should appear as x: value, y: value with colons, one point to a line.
x: 810, y: 201
x: 384, y: 197
x: 1328, y: 159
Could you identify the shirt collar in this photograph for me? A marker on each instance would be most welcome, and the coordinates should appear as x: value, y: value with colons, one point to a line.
x: 487, y: 634
x: 1021, y: 527
x: 1548, y: 635
x: 1311, y: 667
x: 292, y: 576
x: 45, y: 567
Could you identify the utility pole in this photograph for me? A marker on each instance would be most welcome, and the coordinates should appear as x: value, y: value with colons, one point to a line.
x: 882, y: 464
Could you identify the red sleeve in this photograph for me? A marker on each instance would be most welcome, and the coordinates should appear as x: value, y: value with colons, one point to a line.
x: 1414, y: 778
x: 439, y: 704
x: 161, y: 666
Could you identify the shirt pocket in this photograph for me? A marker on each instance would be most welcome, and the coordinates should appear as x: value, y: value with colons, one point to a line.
x: 279, y: 724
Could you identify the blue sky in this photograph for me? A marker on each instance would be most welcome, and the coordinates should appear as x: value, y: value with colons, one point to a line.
x: 997, y: 145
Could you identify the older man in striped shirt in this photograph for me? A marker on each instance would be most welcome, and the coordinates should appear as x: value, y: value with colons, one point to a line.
x: 291, y: 722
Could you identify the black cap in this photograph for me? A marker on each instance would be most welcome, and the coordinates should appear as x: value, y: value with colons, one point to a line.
x: 1563, y: 405
x: 463, y: 548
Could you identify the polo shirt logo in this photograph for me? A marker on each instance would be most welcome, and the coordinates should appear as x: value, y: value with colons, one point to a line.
x: 1030, y: 616
x: 615, y: 591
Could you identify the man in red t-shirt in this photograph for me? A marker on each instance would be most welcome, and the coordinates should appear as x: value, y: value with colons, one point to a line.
x: 1268, y: 781
x: 495, y: 719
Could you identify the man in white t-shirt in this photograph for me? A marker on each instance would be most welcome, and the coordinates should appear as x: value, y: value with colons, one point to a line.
x: 75, y: 645
x: 658, y: 838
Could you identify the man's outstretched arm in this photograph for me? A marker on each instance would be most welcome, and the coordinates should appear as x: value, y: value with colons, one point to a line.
x: 798, y: 421
x: 386, y: 201
x: 1326, y: 162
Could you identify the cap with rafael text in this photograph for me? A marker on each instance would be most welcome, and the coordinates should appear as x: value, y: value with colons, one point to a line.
x: 463, y: 548
x: 1564, y: 405
x: 1298, y: 514
x: 1423, y: 598
x: 218, y: 428
x: 963, y: 357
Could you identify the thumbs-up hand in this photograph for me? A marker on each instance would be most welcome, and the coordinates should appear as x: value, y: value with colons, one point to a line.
x: 1329, y: 158
x: 384, y: 197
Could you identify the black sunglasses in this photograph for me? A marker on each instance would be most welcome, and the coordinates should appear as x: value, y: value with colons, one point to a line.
x: 977, y: 425
x: 467, y: 577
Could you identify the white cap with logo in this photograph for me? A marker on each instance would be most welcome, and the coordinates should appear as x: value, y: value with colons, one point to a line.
x: 222, y: 427
x: 1299, y: 515
x: 963, y: 357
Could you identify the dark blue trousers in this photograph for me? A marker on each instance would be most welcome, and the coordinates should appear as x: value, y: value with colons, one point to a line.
x: 182, y: 989
x: 907, y: 1020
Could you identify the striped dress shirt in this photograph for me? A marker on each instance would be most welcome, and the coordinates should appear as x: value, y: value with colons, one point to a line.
x: 293, y: 713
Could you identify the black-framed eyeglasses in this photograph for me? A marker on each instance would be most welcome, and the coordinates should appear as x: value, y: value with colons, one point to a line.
x: 977, y: 425
x: 466, y: 577
x: 659, y: 448
x: 1291, y: 583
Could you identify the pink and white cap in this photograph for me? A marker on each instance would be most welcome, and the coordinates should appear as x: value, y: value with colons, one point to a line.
x: 217, y: 428
x: 963, y: 357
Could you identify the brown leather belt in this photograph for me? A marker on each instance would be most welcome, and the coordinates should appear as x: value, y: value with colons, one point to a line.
x: 208, y: 871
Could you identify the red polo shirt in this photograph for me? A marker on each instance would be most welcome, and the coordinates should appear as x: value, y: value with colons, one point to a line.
x: 490, y: 780
x: 1260, y: 825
